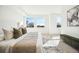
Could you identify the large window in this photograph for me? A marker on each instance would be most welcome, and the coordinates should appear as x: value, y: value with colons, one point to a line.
x: 32, y: 21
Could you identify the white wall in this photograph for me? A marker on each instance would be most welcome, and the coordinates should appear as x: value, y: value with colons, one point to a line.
x: 73, y: 31
x: 53, y: 23
x: 10, y: 15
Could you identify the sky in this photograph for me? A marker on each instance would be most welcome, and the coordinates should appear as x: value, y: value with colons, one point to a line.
x: 36, y: 20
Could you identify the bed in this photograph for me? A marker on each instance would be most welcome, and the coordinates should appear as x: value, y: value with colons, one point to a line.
x: 27, y: 43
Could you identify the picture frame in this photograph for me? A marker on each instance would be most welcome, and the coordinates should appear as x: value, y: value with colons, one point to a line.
x: 73, y: 16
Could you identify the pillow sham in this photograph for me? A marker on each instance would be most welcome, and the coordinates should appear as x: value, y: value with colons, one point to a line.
x: 24, y: 30
x: 8, y: 34
x: 17, y: 32
x: 1, y: 37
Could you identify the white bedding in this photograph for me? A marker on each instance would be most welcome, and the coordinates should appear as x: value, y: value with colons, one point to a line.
x: 6, y: 46
x: 39, y: 43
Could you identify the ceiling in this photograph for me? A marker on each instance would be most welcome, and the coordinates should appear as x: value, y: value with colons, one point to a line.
x: 41, y: 9
x: 36, y: 9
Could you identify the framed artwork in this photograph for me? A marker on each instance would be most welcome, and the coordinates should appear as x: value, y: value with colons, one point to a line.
x: 73, y: 16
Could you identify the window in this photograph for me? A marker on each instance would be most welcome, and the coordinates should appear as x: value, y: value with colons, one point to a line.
x: 29, y: 21
x: 59, y: 19
x: 32, y: 21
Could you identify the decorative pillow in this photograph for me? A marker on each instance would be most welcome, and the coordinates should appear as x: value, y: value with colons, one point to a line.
x: 1, y: 37
x: 17, y: 32
x: 24, y: 30
x: 8, y: 34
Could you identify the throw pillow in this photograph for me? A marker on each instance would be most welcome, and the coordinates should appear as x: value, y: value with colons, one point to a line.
x: 8, y: 34
x: 17, y: 32
x: 24, y: 30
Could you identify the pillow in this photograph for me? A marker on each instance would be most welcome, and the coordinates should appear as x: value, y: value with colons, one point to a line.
x: 8, y: 34
x: 1, y: 37
x: 17, y: 32
x: 24, y: 30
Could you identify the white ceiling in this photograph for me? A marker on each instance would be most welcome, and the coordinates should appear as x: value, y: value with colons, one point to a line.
x: 39, y: 9
x: 36, y: 9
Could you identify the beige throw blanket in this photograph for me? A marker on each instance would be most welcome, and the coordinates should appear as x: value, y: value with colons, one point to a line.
x: 27, y: 44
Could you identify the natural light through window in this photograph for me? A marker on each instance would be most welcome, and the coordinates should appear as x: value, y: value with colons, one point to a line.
x: 37, y: 21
